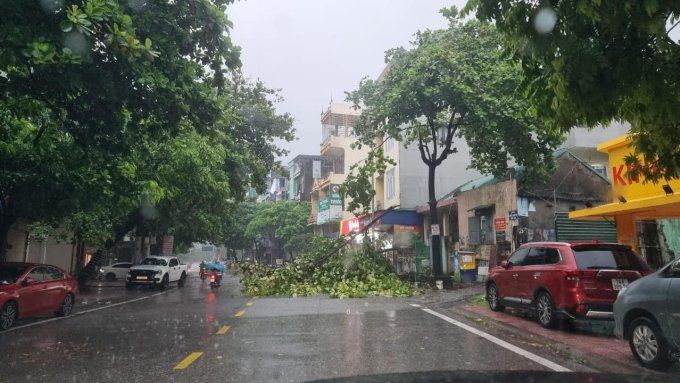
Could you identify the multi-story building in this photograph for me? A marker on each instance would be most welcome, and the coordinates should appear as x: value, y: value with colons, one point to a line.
x: 277, y: 188
x: 303, y: 170
x: 337, y: 137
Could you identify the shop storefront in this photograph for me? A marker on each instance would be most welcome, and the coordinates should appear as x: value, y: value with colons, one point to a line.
x: 647, y: 214
x: 396, y: 232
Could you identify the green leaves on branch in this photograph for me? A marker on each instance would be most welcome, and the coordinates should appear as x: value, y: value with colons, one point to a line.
x: 282, y: 220
x: 360, y: 180
x: 604, y: 61
x: 451, y: 85
x: 323, y: 269
x: 114, y: 119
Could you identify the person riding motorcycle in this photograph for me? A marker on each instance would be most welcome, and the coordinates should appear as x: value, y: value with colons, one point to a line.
x: 216, y: 269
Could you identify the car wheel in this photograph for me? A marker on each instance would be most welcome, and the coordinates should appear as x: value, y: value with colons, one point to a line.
x: 182, y: 280
x: 493, y: 298
x: 648, y: 344
x: 66, y: 306
x: 8, y: 315
x: 545, y: 310
x: 110, y: 277
x: 164, y: 283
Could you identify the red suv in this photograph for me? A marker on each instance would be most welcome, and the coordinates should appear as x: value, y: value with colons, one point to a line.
x: 564, y: 281
x: 28, y: 289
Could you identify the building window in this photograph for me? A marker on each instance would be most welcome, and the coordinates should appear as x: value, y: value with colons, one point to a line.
x: 389, y: 184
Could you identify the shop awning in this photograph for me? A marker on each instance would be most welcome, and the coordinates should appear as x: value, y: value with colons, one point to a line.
x: 652, y: 207
x: 401, y: 217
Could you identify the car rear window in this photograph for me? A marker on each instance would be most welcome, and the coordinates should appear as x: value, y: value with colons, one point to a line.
x: 607, y: 257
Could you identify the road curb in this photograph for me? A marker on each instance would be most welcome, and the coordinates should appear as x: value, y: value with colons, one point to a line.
x: 575, y: 355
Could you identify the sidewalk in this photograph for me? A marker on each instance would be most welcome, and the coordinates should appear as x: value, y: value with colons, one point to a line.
x: 589, y: 343
x: 447, y: 298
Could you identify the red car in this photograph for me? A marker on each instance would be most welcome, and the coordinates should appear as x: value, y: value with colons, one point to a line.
x: 563, y: 281
x: 29, y: 289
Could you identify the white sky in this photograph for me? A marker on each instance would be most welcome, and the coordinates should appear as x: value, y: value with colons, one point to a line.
x: 317, y: 49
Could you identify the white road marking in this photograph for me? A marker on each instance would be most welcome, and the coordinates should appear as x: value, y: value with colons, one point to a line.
x: 415, y: 305
x: 83, y: 312
x: 511, y: 347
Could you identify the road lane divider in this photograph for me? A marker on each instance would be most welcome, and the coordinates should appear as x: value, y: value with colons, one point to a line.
x: 508, y: 346
x: 240, y: 313
x: 249, y: 304
x: 186, y: 362
x: 223, y: 330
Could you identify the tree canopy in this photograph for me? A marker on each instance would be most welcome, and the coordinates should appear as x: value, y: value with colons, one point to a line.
x: 285, y: 221
x: 451, y: 83
x: 590, y: 62
x: 127, y: 114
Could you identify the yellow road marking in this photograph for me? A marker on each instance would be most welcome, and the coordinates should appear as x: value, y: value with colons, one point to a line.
x: 223, y: 330
x: 240, y: 313
x: 249, y: 304
x: 188, y: 360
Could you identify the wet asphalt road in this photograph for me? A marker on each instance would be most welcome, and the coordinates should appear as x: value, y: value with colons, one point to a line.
x: 193, y: 335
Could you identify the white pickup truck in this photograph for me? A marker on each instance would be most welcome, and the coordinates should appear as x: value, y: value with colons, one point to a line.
x: 157, y: 271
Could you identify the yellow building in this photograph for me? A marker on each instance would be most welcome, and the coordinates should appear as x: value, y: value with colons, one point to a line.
x: 640, y: 209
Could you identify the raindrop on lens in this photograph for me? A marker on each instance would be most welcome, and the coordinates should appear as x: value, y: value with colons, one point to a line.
x: 76, y: 42
x: 673, y: 30
x: 136, y: 5
x: 545, y: 20
x: 51, y: 6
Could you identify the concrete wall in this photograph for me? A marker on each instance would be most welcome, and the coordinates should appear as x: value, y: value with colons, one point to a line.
x: 502, y: 195
x: 16, y: 241
x: 412, y: 182
x: 52, y: 251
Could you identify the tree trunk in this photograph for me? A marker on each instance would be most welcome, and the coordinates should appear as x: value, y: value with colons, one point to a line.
x: 4, y: 231
x: 80, y: 253
x: 7, y: 219
x: 434, y: 220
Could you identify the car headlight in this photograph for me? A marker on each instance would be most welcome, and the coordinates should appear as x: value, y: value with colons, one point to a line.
x: 157, y: 272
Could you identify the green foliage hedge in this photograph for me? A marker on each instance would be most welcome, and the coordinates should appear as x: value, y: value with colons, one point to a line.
x: 327, y: 267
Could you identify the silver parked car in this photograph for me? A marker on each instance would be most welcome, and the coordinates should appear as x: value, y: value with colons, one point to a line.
x: 647, y: 314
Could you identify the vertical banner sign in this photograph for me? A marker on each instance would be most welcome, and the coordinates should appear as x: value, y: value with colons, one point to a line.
x: 323, y: 216
x: 335, y: 202
x: 316, y: 169
x: 330, y: 207
x: 168, y: 244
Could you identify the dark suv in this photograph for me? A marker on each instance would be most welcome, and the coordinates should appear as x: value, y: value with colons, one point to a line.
x: 564, y: 280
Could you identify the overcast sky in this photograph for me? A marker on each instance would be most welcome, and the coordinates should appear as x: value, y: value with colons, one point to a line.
x: 317, y: 49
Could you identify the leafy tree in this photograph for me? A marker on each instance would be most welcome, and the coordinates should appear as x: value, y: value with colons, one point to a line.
x: 121, y: 114
x: 282, y: 221
x: 452, y: 83
x: 596, y: 61
x: 235, y: 225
